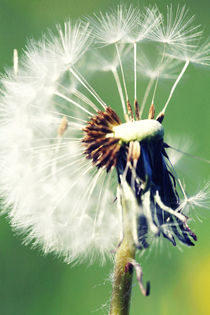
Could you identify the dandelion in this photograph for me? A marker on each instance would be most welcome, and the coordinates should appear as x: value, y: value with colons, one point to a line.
x: 81, y: 176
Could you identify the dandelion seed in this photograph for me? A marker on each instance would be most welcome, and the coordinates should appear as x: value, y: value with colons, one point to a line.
x: 177, y: 29
x: 199, y: 200
x: 115, y: 25
x: 82, y: 178
x: 197, y: 55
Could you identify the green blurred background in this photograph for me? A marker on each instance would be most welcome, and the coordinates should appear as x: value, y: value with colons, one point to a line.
x: 31, y: 284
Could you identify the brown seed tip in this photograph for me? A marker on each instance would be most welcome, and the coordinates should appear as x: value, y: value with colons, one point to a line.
x: 63, y: 126
x: 151, y: 112
x: 137, y: 111
x: 160, y: 117
x: 130, y: 112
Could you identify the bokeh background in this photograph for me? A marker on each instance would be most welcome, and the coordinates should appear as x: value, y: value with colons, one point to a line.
x: 31, y: 284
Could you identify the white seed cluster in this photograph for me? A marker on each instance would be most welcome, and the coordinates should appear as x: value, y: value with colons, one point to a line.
x: 51, y: 192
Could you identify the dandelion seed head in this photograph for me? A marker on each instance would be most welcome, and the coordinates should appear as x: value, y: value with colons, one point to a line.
x: 148, y: 20
x: 201, y: 199
x: 106, y: 58
x: 69, y: 158
x: 70, y: 44
x: 198, y: 54
x: 114, y: 25
x: 166, y: 70
x: 177, y: 29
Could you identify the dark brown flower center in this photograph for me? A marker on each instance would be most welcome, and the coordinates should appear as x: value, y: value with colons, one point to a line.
x: 100, y: 146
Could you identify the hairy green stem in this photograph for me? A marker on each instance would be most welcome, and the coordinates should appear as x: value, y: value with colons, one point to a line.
x: 122, y: 278
x: 125, y: 253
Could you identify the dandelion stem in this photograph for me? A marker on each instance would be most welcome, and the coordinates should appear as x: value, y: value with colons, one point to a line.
x: 122, y: 281
x: 125, y: 254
